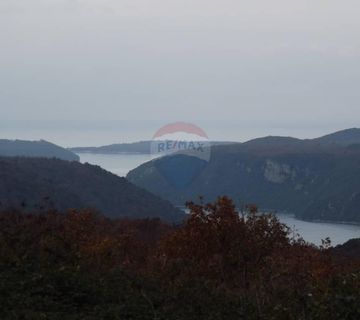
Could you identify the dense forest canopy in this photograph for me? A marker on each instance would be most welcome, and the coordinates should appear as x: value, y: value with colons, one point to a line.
x: 218, y: 265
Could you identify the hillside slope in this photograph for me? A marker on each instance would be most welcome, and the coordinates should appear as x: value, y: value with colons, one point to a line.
x: 142, y: 147
x: 50, y: 183
x: 313, y: 180
x: 343, y: 137
x: 44, y: 149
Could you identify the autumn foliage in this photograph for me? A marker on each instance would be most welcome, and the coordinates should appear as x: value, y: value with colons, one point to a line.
x: 220, y: 264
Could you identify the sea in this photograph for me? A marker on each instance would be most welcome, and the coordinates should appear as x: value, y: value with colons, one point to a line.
x: 313, y: 232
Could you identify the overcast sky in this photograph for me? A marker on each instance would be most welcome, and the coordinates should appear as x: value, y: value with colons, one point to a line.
x: 90, y: 72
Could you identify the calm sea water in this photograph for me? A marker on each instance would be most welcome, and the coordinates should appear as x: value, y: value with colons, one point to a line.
x: 311, y: 231
x: 119, y: 164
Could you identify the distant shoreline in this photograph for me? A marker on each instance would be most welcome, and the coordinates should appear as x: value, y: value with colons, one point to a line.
x: 351, y: 223
x: 292, y: 215
x: 112, y: 153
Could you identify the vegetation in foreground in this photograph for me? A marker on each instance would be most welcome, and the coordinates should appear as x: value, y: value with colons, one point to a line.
x: 218, y: 265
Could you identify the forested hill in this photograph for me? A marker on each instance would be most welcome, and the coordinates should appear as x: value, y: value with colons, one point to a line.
x: 313, y: 179
x: 141, y: 147
x: 344, y: 137
x: 44, y: 149
x: 38, y: 183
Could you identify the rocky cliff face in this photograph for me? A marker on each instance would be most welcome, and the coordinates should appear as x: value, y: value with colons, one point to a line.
x: 278, y: 173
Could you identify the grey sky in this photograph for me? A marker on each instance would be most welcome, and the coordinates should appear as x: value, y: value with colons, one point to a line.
x: 101, y: 71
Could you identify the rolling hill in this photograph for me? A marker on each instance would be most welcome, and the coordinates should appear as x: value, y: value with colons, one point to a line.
x: 34, y: 184
x: 344, y: 137
x: 42, y: 148
x: 315, y: 180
